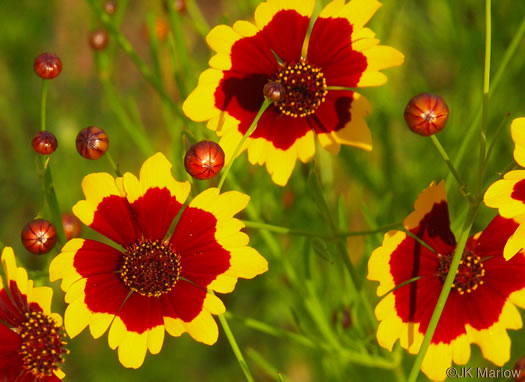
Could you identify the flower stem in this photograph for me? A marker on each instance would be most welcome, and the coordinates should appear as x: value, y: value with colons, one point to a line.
x: 196, y: 16
x: 51, y: 199
x: 462, y: 185
x: 502, y: 69
x: 246, y: 135
x: 235, y: 348
x: 472, y: 212
x: 485, y: 105
x: 290, y: 231
x: 355, y: 287
x: 140, y: 139
x: 43, y: 105
x: 112, y: 164
x: 445, y: 291
x: 128, y: 49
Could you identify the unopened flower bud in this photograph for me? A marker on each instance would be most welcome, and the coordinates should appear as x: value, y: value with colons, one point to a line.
x: 426, y: 114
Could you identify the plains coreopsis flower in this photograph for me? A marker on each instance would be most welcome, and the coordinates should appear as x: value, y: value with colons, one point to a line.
x: 508, y: 194
x: 31, y: 338
x: 154, y: 280
x: 481, y: 305
x: 318, y: 80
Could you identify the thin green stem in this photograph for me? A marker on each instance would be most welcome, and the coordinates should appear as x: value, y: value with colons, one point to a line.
x: 128, y: 49
x: 196, y: 16
x: 43, y: 105
x: 498, y: 132
x: 445, y: 291
x: 180, y: 45
x: 469, y: 220
x: 51, y: 199
x: 246, y: 135
x: 112, y: 164
x: 462, y: 185
x: 134, y: 131
x: 502, y: 68
x: 290, y: 231
x: 271, y: 330
x: 485, y: 106
x: 235, y: 348
x: 341, y: 247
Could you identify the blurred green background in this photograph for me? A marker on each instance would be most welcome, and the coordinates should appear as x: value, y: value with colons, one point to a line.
x: 443, y: 43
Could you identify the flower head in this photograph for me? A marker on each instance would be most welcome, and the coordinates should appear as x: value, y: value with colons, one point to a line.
x: 31, y: 339
x: 481, y: 304
x: 340, y: 54
x: 155, y: 281
x: 508, y: 194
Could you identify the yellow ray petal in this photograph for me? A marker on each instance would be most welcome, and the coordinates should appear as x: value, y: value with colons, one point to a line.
x: 517, y: 129
x: 200, y: 104
x: 247, y: 263
x: 306, y: 147
x: 257, y: 150
x: 378, y: 264
x: 100, y: 323
x: 224, y: 283
x: 221, y: 39
x: 61, y: 266
x: 155, y: 173
x: 76, y: 318
x: 221, y: 206
x: 213, y: 304
x: 203, y: 328
x: 359, y: 12
x: 155, y: 339
x: 132, y: 349
x: 499, y: 195
x: 461, y: 350
x: 515, y: 243
x: 245, y: 28
x: 332, y: 9
x: 265, y: 12
x: 174, y: 326
x: 436, y: 362
x: 117, y: 331
x: 96, y: 187
x: 518, y: 298
x: 280, y: 164
x: 433, y: 194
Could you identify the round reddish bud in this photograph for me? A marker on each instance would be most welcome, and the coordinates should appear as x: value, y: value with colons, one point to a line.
x: 274, y: 91
x: 47, y: 66
x: 99, y: 39
x: 204, y: 160
x: 45, y: 143
x: 39, y: 236
x: 178, y: 5
x: 344, y: 319
x: 426, y: 114
x: 72, y: 226
x: 92, y: 142
x: 520, y: 367
x: 110, y: 7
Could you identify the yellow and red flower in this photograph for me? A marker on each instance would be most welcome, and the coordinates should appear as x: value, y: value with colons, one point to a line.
x: 481, y: 305
x: 31, y: 339
x: 508, y: 194
x: 158, y: 281
x: 318, y: 79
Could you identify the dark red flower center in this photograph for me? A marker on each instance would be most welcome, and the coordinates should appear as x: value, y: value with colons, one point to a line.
x: 42, y: 344
x: 304, y: 86
x: 470, y: 272
x: 150, y: 268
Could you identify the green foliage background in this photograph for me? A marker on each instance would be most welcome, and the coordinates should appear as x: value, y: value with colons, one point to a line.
x: 443, y: 43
